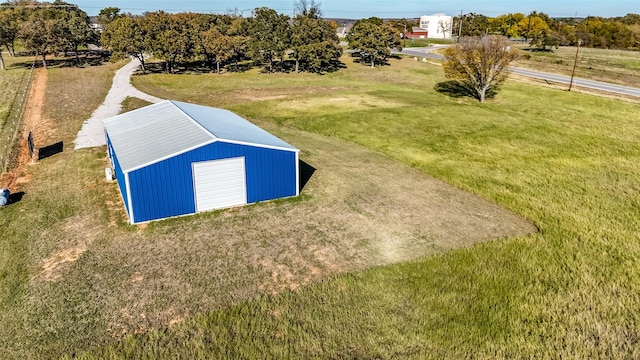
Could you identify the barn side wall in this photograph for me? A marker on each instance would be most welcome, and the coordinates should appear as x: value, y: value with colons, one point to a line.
x: 166, y: 189
x: 117, y: 169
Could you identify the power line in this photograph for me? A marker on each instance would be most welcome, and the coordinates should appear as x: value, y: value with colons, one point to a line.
x: 43, y: 5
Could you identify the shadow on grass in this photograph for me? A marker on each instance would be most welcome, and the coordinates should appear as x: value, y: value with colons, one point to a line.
x: 535, y: 49
x: 289, y: 66
x: 86, y: 58
x: 306, y: 172
x: 15, y: 197
x: 50, y: 150
x: 357, y: 58
x: 198, y: 68
x: 458, y: 89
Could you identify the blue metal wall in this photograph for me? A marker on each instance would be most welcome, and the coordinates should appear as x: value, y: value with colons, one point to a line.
x: 166, y: 189
x: 117, y: 169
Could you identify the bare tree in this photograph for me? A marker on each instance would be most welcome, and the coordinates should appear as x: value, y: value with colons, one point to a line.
x: 479, y: 64
x: 445, y: 27
x: 308, y: 8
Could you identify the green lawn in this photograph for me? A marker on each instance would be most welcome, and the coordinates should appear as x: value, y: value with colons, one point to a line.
x: 565, y: 161
x: 408, y: 43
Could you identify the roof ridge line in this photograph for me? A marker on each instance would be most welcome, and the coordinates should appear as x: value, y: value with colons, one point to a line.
x: 213, y: 136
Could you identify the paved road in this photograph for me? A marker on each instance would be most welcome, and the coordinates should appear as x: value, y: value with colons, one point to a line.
x: 92, y: 132
x: 591, y: 84
x: 425, y: 52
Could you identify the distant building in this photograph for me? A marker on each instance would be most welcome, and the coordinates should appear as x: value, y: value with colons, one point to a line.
x: 438, y: 26
x: 342, y: 31
x: 416, y: 33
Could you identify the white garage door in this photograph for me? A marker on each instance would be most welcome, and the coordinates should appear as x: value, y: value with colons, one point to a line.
x: 219, y: 184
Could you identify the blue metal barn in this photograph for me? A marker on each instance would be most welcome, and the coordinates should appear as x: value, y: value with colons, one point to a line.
x: 174, y: 158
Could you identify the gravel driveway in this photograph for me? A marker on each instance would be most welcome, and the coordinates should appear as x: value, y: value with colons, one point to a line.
x: 92, y: 132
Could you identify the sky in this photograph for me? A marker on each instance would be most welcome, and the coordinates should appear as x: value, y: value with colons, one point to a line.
x: 357, y: 9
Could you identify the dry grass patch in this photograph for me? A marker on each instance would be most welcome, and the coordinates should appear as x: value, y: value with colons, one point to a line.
x: 620, y: 67
x: 258, y: 94
x: 338, y: 103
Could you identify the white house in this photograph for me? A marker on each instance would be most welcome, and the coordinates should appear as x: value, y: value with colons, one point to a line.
x: 438, y: 25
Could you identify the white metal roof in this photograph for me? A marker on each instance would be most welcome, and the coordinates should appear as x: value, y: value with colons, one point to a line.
x: 158, y: 131
x: 225, y: 125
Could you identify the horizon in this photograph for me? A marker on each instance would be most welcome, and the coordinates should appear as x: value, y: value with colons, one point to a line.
x: 358, y: 9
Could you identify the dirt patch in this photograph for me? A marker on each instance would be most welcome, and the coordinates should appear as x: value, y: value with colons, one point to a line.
x: 79, y: 233
x: 34, y: 121
x: 52, y: 266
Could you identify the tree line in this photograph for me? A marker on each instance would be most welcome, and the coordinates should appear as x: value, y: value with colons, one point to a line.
x: 543, y: 31
x: 43, y: 28
x: 268, y: 38
x: 304, y: 42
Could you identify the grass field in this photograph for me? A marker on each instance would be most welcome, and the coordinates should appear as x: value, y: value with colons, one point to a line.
x: 408, y: 43
x: 12, y: 83
x: 566, y: 161
x: 620, y: 67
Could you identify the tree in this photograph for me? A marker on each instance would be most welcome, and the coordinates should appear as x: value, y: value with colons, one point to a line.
x: 239, y: 32
x: 170, y: 37
x: 565, y: 32
x: 533, y: 26
x: 603, y: 33
x: 270, y: 33
x: 107, y: 15
x: 404, y: 25
x: 479, y: 64
x: 127, y: 36
x: 308, y: 8
x: 218, y: 45
x: 42, y: 34
x: 314, y: 41
x: 445, y: 27
x: 10, y: 20
x: 6, y: 38
x: 46, y: 28
x: 76, y: 29
x: 546, y: 38
x: 506, y: 25
x: 373, y: 40
x: 472, y: 24
x: 629, y: 19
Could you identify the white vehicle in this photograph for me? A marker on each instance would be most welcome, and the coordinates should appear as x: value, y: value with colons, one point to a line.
x: 4, y: 197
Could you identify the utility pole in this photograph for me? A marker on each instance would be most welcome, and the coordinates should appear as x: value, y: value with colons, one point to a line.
x: 575, y: 63
x: 404, y: 35
x: 459, y: 27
